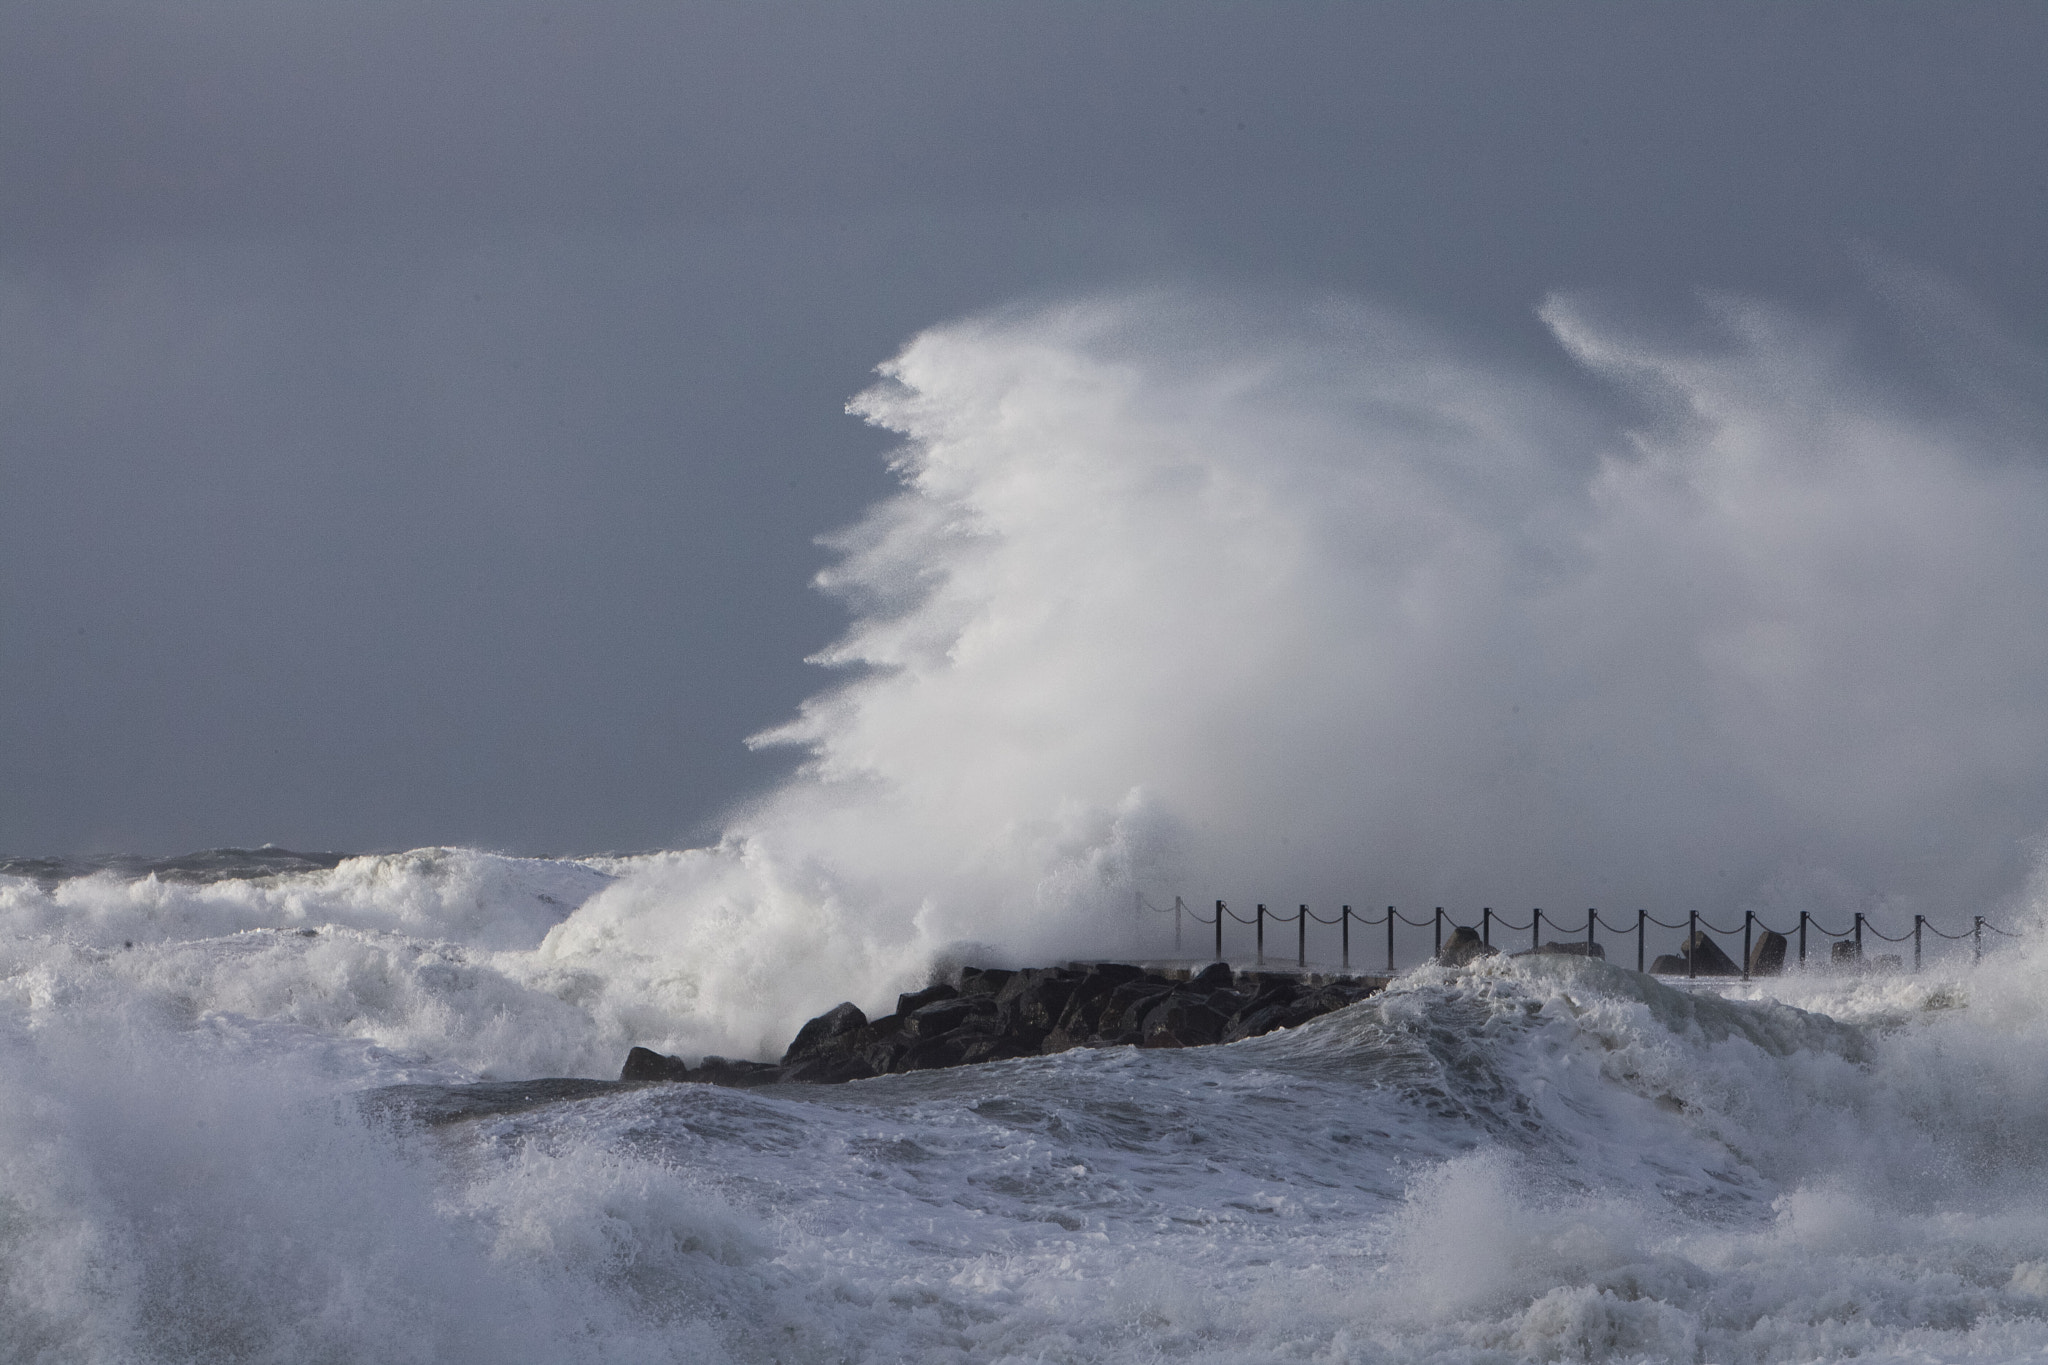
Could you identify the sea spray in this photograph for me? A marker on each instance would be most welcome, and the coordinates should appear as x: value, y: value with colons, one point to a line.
x: 1189, y: 598
x: 1216, y: 600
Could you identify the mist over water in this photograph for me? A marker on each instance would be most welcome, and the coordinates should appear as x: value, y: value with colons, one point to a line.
x: 1227, y: 599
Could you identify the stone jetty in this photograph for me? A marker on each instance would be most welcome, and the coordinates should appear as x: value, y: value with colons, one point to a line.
x: 988, y: 1015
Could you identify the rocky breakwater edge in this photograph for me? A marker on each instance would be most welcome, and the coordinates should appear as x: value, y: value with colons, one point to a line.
x: 989, y: 1014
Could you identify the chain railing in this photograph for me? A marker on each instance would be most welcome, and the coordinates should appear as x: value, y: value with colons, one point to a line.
x: 1846, y: 945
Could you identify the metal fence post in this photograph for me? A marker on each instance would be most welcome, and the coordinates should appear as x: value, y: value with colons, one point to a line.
x: 1692, y: 942
x: 1977, y: 942
x: 1176, y: 926
x: 1592, y: 918
x: 1261, y: 916
x: 1535, y: 931
x: 1859, y: 938
x: 1219, y: 931
x: 1748, y: 920
x: 1439, y: 931
x: 1642, y: 930
x: 1344, y: 917
x: 1918, y: 920
x: 1802, y: 938
x: 1301, y: 938
x: 1390, y: 940
x: 1486, y: 926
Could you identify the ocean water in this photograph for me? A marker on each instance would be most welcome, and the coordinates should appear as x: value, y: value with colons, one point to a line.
x: 203, y: 1157
x: 1178, y: 598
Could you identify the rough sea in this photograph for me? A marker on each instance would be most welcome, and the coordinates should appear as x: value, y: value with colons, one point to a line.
x: 1198, y: 599
x: 274, y: 1118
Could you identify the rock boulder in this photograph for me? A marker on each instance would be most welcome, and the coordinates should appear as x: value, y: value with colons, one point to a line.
x: 1464, y: 946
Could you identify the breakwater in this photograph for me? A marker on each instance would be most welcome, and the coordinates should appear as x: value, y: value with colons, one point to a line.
x: 993, y: 1015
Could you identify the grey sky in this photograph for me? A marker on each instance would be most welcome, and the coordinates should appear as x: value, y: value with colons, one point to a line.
x: 414, y: 419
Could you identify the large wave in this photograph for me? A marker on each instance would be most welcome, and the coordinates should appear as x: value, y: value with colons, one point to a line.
x: 1307, y: 604
x: 1301, y: 603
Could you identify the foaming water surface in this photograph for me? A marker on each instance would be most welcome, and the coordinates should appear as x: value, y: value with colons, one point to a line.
x: 1176, y: 598
x: 1541, y: 1158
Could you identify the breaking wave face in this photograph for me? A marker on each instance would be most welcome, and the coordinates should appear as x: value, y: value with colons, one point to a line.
x: 1306, y: 605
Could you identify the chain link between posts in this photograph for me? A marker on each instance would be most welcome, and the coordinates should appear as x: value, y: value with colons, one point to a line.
x: 1346, y: 917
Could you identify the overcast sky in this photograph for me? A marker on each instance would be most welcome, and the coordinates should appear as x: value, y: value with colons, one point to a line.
x: 415, y: 418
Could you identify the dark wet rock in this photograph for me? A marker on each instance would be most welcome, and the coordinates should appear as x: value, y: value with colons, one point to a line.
x: 1260, y: 983
x: 1037, y: 996
x: 1565, y: 948
x: 1089, y: 1002
x: 1697, y: 956
x: 831, y: 1047
x: 728, y: 1071
x: 1278, y: 1001
x: 997, y: 1047
x: 1464, y: 946
x: 983, y: 980
x: 831, y: 1032
x: 1291, y: 1003
x: 1187, y: 1018
x: 1061, y: 1040
x: 926, y: 1054
x: 1706, y: 957
x: 1261, y: 1019
x: 1129, y: 1003
x: 830, y: 1070
x: 1338, y: 995
x: 1767, y: 954
x: 645, y: 1064
x: 910, y: 1004
x: 999, y: 1015
x: 1846, y: 955
x: 945, y: 1016
x: 1110, y: 974
x: 884, y: 1044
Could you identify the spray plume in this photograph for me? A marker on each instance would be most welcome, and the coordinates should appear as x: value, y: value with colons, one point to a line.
x: 1215, y: 600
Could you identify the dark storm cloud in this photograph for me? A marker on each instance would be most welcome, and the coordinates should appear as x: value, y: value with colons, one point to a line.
x: 1628, y: 137
x: 414, y: 418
